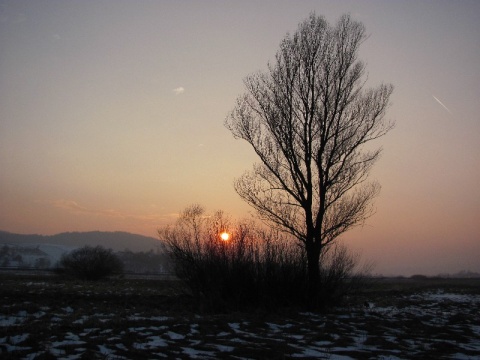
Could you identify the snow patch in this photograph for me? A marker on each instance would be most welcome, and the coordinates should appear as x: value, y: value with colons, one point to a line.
x: 16, y: 339
x: 175, y: 336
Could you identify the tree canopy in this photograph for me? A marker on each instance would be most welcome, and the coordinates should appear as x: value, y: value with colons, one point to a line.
x: 308, y: 118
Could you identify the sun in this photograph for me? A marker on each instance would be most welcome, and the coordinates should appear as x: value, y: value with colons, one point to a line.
x: 225, y: 236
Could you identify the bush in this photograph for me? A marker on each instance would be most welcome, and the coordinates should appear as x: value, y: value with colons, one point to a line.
x: 248, y: 269
x: 253, y: 268
x: 90, y: 263
x: 341, y: 275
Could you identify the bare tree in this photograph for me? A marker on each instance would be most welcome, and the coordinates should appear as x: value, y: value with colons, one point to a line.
x: 308, y: 118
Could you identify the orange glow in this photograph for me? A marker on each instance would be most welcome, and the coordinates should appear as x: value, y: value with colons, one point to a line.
x: 225, y: 236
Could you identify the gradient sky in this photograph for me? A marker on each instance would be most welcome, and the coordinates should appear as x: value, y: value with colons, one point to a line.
x: 111, y: 117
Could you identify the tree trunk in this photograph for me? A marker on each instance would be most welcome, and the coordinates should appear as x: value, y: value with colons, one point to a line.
x: 313, y: 262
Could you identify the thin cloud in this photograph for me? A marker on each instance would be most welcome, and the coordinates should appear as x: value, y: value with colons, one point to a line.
x: 179, y: 90
x: 69, y: 205
x: 446, y: 108
x: 74, y: 207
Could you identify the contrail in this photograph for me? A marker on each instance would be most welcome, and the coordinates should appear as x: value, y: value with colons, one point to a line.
x: 442, y: 105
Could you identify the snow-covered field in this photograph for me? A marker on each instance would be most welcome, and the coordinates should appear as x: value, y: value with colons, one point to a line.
x: 47, y: 318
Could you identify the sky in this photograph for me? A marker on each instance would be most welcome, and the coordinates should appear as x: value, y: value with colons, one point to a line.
x: 112, y: 117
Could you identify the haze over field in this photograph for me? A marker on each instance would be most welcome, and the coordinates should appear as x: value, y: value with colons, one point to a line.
x: 111, y: 117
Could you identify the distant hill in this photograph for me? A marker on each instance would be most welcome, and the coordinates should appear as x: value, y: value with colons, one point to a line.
x: 117, y: 241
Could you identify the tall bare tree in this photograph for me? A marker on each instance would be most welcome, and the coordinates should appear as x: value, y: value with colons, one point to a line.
x: 308, y: 118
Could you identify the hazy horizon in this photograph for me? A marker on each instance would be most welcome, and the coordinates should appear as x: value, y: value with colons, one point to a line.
x: 111, y: 117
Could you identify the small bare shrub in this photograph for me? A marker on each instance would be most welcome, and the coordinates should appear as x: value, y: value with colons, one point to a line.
x: 90, y: 263
x: 341, y: 274
x: 254, y: 267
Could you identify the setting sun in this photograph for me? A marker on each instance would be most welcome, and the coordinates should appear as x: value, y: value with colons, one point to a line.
x: 225, y: 236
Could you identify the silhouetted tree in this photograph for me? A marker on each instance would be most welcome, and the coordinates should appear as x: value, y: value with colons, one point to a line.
x: 308, y: 118
x: 90, y: 263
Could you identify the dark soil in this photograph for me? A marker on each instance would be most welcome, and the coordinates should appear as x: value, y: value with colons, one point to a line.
x: 46, y: 317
